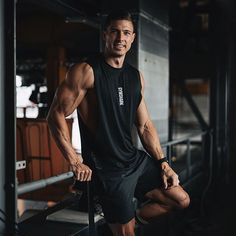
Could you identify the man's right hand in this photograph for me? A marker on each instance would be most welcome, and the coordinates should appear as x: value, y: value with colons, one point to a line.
x: 81, y: 172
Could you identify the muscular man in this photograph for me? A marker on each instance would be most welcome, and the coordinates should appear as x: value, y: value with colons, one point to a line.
x: 108, y: 95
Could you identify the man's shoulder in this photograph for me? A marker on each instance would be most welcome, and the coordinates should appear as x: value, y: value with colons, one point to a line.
x: 79, y: 67
x: 82, y: 73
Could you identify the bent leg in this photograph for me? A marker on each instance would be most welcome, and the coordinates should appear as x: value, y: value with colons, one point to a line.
x: 123, y: 229
x: 163, y: 201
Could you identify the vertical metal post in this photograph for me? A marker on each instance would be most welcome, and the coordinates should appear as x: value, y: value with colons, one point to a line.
x: 220, y: 50
x: 9, y: 115
x: 203, y: 151
x: 169, y: 149
x: 209, y: 137
x: 2, y: 154
x: 188, y: 159
x: 92, y: 228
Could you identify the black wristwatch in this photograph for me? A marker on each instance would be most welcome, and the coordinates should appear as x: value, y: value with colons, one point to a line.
x: 164, y: 159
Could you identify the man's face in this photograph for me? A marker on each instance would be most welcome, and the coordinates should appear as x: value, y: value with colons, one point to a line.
x: 119, y: 37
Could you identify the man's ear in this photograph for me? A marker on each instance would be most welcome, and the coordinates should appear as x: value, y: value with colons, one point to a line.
x: 134, y: 35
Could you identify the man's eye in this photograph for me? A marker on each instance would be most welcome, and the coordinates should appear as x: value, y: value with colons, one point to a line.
x: 127, y: 33
x: 113, y: 31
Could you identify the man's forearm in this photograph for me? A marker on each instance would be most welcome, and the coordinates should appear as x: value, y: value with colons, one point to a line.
x: 150, y: 140
x: 60, y: 132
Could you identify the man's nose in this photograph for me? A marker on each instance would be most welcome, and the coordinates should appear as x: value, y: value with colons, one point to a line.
x: 120, y: 36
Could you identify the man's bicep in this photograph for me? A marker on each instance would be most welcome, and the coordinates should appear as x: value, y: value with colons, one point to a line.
x: 67, y: 99
x: 73, y: 89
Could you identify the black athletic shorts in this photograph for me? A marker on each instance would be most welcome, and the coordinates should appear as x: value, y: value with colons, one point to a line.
x: 117, y: 191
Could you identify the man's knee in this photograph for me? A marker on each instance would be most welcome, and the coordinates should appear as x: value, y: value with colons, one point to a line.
x: 184, y: 201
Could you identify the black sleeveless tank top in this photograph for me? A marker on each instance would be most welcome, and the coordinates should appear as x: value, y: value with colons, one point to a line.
x: 118, y: 92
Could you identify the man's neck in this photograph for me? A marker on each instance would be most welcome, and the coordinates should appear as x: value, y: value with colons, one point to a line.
x: 116, y: 62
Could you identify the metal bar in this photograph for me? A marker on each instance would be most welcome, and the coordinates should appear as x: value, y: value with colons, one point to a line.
x: 173, y: 142
x: 8, y: 115
x: 210, y: 178
x: 188, y: 159
x: 195, y: 143
x: 3, y: 157
x: 92, y: 228
x: 28, y: 187
x: 203, y: 149
x: 169, y: 154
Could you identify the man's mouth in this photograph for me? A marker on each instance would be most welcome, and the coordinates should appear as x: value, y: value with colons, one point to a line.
x: 119, y: 45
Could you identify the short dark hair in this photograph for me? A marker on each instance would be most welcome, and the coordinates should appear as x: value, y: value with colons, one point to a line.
x: 117, y: 15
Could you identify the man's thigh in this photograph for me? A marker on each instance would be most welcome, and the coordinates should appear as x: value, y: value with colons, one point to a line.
x: 117, y: 198
x: 149, y: 179
x: 175, y: 197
